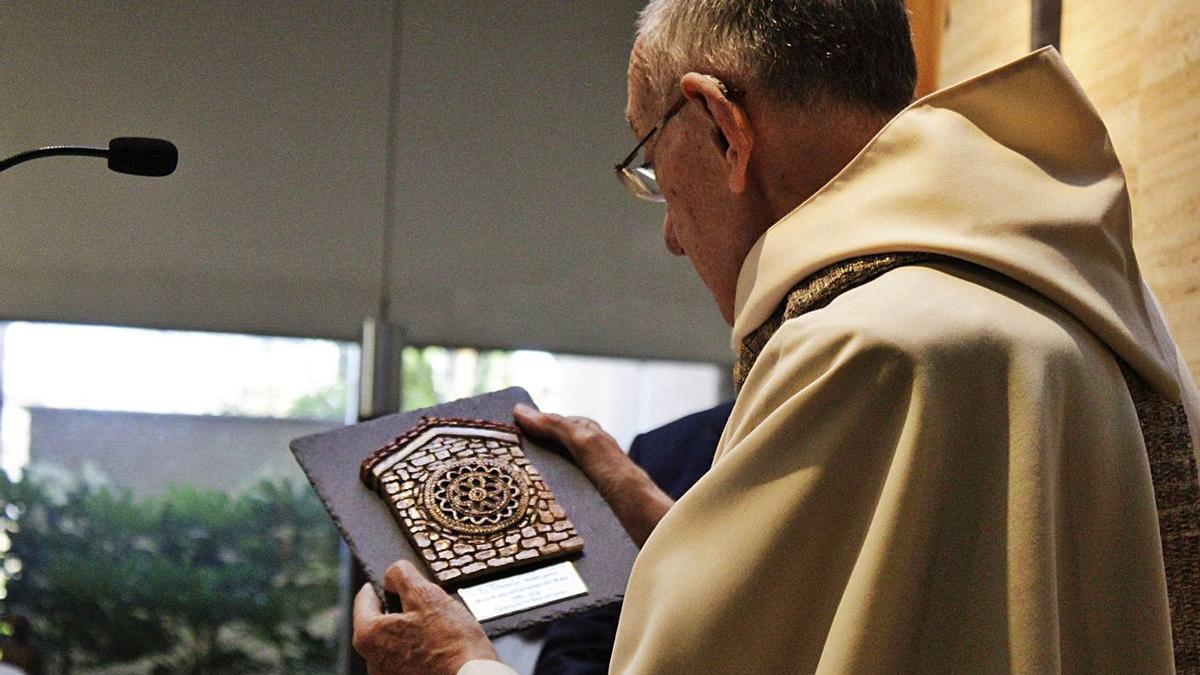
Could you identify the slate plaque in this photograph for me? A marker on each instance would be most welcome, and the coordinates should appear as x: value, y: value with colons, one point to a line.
x: 333, y: 462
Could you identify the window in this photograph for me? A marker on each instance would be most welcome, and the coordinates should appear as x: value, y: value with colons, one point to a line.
x: 154, y: 517
x: 626, y: 396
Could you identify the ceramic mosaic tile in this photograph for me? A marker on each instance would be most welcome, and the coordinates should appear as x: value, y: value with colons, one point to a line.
x: 468, y: 499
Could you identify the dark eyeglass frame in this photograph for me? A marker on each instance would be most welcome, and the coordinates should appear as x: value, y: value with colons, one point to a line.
x: 641, y: 180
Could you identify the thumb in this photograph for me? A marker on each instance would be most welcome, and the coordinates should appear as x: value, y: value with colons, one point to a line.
x: 366, y: 606
x: 536, y: 422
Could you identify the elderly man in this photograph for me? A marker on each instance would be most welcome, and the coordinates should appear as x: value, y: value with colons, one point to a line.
x: 961, y: 441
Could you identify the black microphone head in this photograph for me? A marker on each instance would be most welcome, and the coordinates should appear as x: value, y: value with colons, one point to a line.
x: 142, y: 156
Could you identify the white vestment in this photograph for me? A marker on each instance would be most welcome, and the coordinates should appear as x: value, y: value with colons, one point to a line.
x: 942, y: 470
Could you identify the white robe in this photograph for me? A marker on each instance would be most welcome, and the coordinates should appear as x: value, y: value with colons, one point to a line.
x: 942, y: 470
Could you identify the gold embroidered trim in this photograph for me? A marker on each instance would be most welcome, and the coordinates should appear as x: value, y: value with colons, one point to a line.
x: 814, y: 292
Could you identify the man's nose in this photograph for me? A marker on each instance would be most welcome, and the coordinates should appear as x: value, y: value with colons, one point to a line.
x: 669, y: 236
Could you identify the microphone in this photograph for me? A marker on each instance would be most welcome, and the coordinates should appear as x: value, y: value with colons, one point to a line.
x: 128, y: 154
x: 142, y: 156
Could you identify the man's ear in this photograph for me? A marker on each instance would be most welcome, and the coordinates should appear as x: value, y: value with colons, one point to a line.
x: 730, y: 120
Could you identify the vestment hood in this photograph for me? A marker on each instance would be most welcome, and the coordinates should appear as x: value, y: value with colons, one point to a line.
x: 1012, y: 170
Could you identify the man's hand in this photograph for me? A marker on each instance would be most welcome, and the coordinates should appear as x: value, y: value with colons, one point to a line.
x: 637, y: 501
x: 434, y: 635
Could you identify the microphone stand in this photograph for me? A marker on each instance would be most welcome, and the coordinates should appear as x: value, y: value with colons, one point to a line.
x: 53, y: 151
x: 129, y: 154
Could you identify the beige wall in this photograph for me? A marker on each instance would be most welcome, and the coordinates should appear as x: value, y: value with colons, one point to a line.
x: 1140, y: 64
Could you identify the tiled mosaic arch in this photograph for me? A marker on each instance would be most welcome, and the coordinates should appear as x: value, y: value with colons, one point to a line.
x: 468, y: 499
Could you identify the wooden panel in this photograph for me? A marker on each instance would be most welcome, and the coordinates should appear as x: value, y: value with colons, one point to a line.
x: 980, y: 35
x: 927, y: 18
x: 1094, y: 31
x: 1166, y: 203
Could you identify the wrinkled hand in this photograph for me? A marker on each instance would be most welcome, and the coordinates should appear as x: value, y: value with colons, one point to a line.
x: 434, y: 634
x: 633, y: 496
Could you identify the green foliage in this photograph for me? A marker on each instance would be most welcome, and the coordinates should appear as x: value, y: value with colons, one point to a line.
x: 326, y: 404
x: 417, y: 388
x: 196, y: 581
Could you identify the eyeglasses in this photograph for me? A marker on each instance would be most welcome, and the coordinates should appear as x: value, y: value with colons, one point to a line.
x: 640, y: 180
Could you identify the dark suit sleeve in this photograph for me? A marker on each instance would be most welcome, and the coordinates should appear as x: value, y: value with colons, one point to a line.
x: 581, y: 644
x: 675, y: 456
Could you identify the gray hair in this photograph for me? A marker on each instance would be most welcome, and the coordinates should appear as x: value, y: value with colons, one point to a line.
x: 799, y: 51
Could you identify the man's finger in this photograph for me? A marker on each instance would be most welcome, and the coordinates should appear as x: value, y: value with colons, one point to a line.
x: 530, y: 419
x: 585, y: 422
x: 366, y: 606
x: 403, y: 579
x: 538, y: 423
